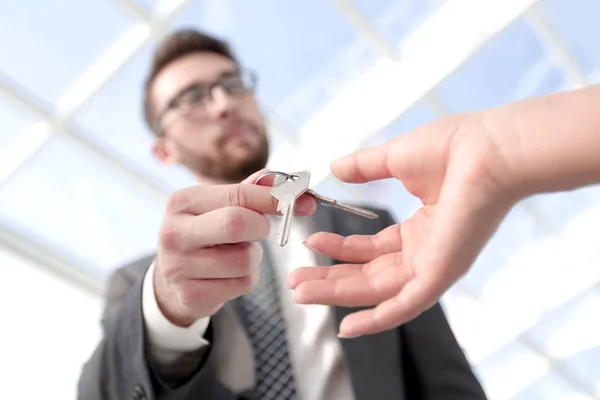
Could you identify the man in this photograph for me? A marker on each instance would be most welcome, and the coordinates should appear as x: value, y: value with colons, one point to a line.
x: 187, y: 323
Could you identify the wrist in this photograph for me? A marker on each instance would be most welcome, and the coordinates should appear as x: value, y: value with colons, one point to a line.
x: 172, y: 310
x: 164, y: 301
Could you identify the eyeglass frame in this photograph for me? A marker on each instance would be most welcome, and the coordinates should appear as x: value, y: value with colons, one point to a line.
x: 249, y: 87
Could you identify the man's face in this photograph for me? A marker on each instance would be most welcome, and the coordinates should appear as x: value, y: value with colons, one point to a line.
x: 216, y: 134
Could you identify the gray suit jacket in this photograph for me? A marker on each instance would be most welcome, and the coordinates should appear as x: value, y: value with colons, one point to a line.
x: 418, y: 360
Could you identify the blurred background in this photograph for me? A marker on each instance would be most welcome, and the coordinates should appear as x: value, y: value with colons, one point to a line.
x: 80, y: 193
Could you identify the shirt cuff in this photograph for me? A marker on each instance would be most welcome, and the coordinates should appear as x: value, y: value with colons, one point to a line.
x: 164, y: 337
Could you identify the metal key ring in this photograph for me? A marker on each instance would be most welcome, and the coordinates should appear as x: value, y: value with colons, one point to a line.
x: 263, y: 175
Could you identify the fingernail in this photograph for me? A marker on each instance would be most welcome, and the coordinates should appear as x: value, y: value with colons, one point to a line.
x: 346, y: 336
x: 306, y: 205
x: 308, y: 246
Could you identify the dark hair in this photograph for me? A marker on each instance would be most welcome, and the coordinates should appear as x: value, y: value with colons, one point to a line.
x: 178, y: 44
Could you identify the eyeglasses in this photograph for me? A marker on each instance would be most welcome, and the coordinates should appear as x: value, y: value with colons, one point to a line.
x: 236, y: 83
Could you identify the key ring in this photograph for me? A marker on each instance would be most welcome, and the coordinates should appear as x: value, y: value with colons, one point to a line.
x: 265, y: 174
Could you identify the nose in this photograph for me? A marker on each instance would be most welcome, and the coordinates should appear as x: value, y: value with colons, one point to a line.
x: 222, y: 104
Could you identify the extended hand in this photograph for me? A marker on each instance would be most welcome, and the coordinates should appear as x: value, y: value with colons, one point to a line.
x: 455, y: 168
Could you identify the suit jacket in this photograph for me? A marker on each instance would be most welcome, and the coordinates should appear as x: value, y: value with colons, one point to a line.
x: 418, y: 360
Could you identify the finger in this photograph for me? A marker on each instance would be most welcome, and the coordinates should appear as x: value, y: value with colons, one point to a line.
x: 364, y: 165
x: 266, y: 181
x: 222, y: 226
x: 201, y: 199
x: 197, y: 293
x: 218, y: 262
x: 415, y: 297
x: 353, y: 291
x: 305, y: 274
x: 357, y: 248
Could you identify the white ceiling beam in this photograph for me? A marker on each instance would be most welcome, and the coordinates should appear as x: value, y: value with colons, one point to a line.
x: 135, y: 9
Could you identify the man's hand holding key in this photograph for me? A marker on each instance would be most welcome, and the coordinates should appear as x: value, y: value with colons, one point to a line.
x: 209, y: 252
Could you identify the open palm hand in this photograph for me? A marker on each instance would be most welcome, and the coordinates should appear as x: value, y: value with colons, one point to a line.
x: 456, y: 172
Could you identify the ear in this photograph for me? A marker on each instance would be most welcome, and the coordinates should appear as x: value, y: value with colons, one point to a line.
x: 165, y: 151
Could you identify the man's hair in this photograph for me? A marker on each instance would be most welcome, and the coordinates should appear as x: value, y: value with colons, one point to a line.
x: 179, y: 44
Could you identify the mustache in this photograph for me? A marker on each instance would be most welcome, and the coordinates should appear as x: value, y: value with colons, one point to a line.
x: 227, y: 132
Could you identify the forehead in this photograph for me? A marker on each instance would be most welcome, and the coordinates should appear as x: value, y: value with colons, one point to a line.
x: 191, y: 68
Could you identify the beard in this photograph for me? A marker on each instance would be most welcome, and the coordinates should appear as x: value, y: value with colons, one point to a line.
x: 222, y: 167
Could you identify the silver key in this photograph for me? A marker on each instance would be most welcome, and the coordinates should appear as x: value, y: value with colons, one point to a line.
x: 287, y: 192
x: 327, y: 201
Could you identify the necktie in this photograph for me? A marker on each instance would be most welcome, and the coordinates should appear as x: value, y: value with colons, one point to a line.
x: 261, y: 313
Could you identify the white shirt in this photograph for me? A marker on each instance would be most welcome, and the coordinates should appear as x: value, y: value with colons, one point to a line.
x: 315, y: 351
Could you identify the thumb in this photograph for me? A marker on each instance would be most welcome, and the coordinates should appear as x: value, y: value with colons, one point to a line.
x: 364, y: 165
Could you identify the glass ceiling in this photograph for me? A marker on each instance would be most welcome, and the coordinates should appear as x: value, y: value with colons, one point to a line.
x: 78, y: 181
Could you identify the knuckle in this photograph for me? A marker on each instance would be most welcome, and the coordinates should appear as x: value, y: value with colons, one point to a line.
x: 177, y: 200
x: 241, y: 262
x: 237, y: 196
x: 170, y: 236
x: 234, y: 223
x: 246, y: 259
x: 171, y: 269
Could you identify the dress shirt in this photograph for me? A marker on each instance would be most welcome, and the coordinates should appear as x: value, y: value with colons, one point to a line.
x: 317, y: 358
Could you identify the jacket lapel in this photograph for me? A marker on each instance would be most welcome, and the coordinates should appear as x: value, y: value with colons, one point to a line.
x: 374, y: 361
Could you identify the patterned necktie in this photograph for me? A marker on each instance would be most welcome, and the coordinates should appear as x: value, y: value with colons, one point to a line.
x: 261, y: 312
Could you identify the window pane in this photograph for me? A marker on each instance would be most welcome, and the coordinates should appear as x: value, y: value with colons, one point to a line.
x: 515, y: 235
x: 80, y: 205
x: 551, y: 387
x: 114, y: 119
x: 15, y: 131
x: 303, y: 50
x: 576, y: 22
x: 510, y: 370
x: 47, y: 45
x: 513, y: 66
x: 559, y: 209
x: 571, y: 334
x: 465, y: 315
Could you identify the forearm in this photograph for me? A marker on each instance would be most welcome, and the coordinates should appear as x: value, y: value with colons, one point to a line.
x: 550, y: 143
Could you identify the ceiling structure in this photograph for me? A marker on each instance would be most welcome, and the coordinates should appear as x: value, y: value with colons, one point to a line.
x: 80, y: 192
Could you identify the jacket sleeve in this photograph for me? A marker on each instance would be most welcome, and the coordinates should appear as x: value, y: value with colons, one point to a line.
x: 435, y: 363
x: 119, y: 367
